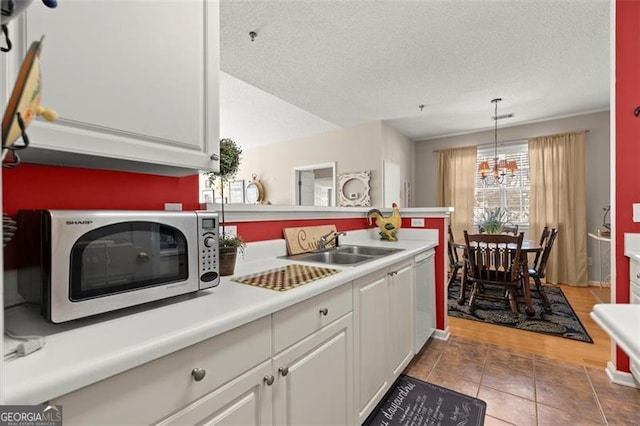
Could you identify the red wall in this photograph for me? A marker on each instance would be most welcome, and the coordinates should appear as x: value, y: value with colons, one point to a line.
x: 627, y: 90
x: 34, y: 186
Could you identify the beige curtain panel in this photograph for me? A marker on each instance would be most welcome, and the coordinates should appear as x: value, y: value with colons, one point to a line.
x: 456, y: 186
x: 558, y: 200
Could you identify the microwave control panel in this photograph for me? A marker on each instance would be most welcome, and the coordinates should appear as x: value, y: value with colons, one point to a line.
x: 208, y: 249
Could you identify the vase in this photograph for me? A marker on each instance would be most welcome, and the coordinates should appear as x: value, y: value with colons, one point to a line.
x: 227, y: 260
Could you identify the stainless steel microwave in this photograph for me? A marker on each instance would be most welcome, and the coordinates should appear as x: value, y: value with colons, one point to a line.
x: 80, y: 263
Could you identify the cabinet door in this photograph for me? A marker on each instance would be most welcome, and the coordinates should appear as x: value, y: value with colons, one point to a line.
x: 370, y: 300
x: 245, y: 400
x: 401, y: 310
x: 132, y: 80
x: 314, y: 378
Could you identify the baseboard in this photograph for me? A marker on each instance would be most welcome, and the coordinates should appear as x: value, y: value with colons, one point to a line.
x: 621, y: 377
x: 441, y: 334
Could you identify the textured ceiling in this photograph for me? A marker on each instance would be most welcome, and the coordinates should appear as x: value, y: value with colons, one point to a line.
x: 318, y: 65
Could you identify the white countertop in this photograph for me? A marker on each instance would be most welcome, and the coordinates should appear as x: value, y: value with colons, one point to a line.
x: 622, y: 323
x: 83, y: 352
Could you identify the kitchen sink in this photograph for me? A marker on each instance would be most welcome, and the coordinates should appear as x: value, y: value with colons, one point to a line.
x: 344, y: 255
x: 367, y: 251
x: 332, y: 256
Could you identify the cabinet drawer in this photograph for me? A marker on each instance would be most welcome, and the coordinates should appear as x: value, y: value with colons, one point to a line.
x: 166, y: 384
x: 296, y: 322
x: 635, y: 271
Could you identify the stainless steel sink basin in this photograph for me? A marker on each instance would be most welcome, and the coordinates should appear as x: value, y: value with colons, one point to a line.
x: 367, y: 251
x: 333, y: 257
x: 349, y: 255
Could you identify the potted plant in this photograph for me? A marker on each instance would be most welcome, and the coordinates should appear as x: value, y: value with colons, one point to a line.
x: 228, y: 245
x: 492, y: 220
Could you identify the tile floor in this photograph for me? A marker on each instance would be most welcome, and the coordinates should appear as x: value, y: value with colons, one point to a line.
x: 523, y: 389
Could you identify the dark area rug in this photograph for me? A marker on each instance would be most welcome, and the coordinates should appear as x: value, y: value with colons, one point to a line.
x: 412, y: 402
x: 561, y: 322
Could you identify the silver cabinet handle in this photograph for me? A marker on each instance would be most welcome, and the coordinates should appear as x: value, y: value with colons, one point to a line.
x: 283, y: 370
x: 268, y: 380
x: 198, y: 374
x: 324, y: 311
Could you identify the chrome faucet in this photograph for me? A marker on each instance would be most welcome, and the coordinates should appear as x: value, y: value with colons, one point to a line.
x: 329, y: 238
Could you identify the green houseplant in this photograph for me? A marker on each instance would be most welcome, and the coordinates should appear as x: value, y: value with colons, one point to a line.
x: 492, y: 220
x: 228, y: 245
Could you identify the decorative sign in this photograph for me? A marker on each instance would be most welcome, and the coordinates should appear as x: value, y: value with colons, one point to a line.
x: 306, y: 239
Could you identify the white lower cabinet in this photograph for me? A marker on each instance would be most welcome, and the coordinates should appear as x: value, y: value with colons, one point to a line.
x: 327, y: 360
x: 244, y: 376
x: 401, y: 312
x: 246, y: 400
x: 314, y: 382
x: 152, y: 391
x: 383, y: 333
x: 371, y: 308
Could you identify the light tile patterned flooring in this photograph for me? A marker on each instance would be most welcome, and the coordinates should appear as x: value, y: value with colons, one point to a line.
x: 525, y: 389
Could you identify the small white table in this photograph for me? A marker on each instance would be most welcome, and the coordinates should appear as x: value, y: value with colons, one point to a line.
x: 604, y: 258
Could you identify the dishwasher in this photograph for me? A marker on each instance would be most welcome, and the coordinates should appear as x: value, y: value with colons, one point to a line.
x: 425, y: 298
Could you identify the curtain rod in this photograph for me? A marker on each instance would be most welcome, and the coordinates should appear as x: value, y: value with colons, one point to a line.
x: 499, y: 143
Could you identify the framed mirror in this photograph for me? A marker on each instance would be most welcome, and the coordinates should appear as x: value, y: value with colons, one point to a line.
x: 315, y: 185
x: 354, y: 189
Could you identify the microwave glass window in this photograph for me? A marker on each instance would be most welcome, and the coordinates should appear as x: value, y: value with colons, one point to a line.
x: 208, y: 223
x: 127, y: 256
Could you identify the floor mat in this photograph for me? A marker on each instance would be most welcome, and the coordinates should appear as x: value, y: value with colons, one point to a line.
x: 413, y: 402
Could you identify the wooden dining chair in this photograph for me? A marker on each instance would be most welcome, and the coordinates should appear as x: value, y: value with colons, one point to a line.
x: 536, y: 272
x: 455, y: 264
x: 510, y: 229
x: 544, y: 235
x: 494, y: 261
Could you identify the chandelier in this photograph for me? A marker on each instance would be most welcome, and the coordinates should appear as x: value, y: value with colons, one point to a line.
x: 501, y: 167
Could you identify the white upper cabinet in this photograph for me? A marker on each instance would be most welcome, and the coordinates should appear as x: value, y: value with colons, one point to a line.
x: 135, y: 84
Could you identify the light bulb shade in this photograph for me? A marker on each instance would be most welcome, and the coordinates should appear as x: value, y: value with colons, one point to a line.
x: 484, y: 168
x: 512, y: 166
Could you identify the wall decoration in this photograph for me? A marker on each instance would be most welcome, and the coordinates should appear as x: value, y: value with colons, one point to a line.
x: 354, y: 189
x: 236, y: 191
x: 207, y: 196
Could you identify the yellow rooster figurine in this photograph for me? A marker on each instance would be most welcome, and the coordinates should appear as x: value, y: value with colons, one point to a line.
x: 388, y: 225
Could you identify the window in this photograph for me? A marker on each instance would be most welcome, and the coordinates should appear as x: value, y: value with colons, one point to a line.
x: 513, y: 194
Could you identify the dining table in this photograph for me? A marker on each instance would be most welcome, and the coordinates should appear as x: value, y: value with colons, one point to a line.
x: 528, y: 247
